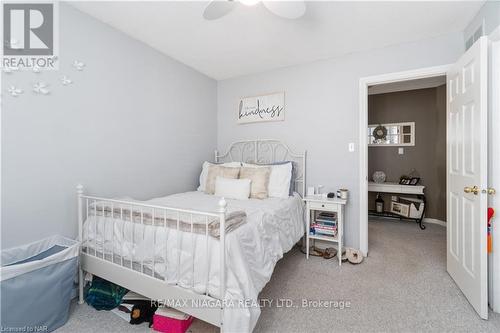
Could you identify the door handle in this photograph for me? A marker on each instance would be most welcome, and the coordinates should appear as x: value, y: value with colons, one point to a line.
x: 474, y: 190
x: 490, y: 191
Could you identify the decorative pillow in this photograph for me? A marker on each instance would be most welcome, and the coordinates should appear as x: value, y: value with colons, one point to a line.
x: 232, y: 188
x: 218, y: 170
x: 260, y: 181
x: 204, y: 172
x: 280, y: 179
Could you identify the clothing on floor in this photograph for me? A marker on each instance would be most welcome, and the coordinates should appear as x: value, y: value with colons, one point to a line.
x: 104, y: 295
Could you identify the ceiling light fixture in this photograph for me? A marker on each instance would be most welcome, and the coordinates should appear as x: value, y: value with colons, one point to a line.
x: 285, y: 9
x: 249, y: 2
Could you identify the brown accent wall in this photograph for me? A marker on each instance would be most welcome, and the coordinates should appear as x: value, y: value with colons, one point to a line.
x: 427, y: 108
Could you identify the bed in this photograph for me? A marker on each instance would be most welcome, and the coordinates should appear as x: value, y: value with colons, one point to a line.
x: 194, y: 251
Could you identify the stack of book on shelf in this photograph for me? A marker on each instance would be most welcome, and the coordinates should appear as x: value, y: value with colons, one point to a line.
x: 325, y: 224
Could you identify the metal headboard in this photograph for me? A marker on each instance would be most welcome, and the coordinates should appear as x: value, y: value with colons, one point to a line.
x: 264, y: 152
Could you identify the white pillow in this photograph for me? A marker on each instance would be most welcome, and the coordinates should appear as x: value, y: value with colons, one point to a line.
x: 279, y: 179
x: 232, y: 188
x: 204, y: 172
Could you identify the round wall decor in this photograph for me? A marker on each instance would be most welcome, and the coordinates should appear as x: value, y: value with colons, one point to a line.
x: 380, y: 132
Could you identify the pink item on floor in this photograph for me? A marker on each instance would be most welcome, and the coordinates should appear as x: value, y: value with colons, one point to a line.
x: 167, y: 320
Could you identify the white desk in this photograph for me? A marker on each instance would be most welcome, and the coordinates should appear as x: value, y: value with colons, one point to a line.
x: 389, y: 187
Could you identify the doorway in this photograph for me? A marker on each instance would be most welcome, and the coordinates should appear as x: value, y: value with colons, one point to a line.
x: 365, y: 83
x: 407, y: 153
x: 466, y: 170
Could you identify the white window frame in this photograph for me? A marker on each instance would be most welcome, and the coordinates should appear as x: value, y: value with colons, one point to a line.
x: 412, y: 132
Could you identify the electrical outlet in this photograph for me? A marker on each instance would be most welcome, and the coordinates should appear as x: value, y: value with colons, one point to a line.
x: 351, y: 147
x: 401, y: 150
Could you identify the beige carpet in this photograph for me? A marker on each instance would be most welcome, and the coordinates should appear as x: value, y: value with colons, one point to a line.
x: 401, y: 287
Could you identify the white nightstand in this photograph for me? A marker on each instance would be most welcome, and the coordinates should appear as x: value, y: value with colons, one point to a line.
x: 315, y: 204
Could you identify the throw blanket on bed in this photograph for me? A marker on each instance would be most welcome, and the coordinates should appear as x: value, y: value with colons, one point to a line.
x: 183, y: 221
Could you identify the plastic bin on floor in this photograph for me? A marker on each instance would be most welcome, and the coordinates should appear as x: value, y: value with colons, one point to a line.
x: 36, y: 284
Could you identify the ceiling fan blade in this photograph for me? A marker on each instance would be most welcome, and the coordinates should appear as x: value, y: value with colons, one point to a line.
x: 286, y: 9
x: 217, y: 9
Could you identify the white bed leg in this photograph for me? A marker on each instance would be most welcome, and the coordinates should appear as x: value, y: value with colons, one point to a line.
x: 79, y: 191
x: 222, y: 220
x: 80, y: 285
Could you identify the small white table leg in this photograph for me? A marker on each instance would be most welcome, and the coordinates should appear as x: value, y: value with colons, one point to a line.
x: 340, y: 253
x: 341, y: 233
x: 308, y: 219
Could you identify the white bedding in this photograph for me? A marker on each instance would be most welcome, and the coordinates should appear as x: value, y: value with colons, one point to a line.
x: 273, y: 226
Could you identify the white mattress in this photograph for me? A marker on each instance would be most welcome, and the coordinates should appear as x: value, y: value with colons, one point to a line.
x: 273, y: 226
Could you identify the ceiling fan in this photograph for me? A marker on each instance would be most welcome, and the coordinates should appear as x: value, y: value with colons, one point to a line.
x: 286, y: 9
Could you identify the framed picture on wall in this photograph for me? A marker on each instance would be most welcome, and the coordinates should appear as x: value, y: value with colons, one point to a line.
x: 256, y: 109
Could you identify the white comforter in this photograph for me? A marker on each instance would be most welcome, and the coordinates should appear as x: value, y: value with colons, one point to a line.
x: 252, y: 250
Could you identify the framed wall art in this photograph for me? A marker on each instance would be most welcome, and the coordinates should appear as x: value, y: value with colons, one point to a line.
x: 255, y: 109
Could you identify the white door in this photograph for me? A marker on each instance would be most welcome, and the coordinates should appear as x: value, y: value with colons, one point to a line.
x: 467, y: 175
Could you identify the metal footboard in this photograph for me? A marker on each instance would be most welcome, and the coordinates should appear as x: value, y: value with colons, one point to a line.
x: 105, y: 256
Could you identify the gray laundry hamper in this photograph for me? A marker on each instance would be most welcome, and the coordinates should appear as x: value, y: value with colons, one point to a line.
x: 36, y: 284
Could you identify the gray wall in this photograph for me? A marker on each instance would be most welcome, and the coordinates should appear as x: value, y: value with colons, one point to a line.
x: 427, y: 108
x: 135, y: 122
x: 489, y: 14
x: 322, y: 112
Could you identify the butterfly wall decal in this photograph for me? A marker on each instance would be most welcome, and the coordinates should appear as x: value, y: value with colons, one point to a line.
x: 41, y: 88
x: 14, y: 91
x: 78, y: 65
x: 65, y: 80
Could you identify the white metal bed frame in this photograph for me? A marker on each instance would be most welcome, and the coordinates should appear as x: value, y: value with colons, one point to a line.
x: 267, y: 152
x: 112, y: 267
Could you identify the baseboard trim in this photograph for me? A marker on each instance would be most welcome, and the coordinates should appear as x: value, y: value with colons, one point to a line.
x: 434, y: 221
